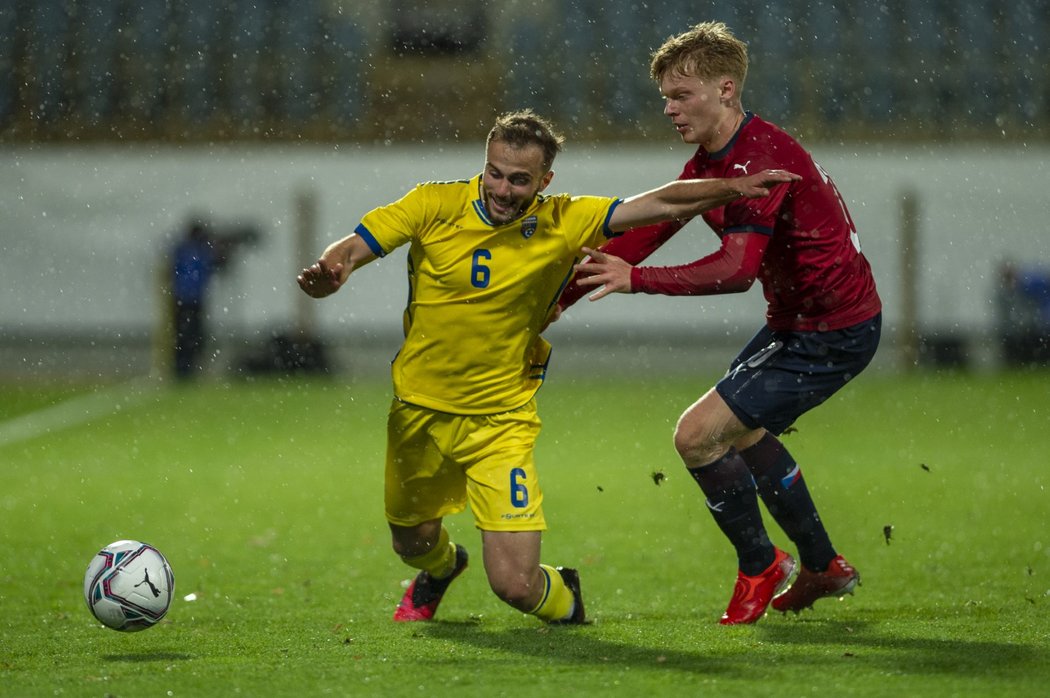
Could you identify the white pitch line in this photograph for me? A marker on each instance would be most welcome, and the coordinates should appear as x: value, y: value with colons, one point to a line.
x: 77, y: 410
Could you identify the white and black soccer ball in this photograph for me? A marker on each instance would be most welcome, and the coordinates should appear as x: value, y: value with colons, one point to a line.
x: 128, y: 585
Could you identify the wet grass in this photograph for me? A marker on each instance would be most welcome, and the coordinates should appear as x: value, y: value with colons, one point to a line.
x: 266, y: 498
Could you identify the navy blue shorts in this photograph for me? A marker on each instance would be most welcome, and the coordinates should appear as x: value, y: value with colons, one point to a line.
x: 781, y: 375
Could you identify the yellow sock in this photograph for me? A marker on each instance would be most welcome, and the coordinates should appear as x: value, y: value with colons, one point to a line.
x: 557, y: 602
x: 441, y: 559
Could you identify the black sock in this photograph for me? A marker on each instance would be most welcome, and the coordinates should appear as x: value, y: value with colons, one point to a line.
x: 784, y: 492
x: 732, y: 501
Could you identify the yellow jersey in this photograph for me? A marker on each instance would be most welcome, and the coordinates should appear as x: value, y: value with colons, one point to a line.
x: 480, y: 292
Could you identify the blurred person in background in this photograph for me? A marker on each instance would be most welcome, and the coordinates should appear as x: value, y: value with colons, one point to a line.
x: 487, y: 259
x: 1023, y: 305
x: 194, y: 261
x: 822, y: 324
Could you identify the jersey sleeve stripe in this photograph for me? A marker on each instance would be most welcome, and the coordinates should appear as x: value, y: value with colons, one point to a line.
x: 370, y: 240
x: 606, y: 230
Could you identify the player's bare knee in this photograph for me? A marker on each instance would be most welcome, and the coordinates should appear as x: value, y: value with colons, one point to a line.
x: 696, y: 447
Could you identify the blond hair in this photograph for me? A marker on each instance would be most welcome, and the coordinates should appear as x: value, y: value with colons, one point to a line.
x: 707, y: 51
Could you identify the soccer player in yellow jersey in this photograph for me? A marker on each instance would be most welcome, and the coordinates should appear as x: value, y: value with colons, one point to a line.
x: 487, y: 260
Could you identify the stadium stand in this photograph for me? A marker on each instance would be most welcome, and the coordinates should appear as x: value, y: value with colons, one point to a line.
x: 332, y: 70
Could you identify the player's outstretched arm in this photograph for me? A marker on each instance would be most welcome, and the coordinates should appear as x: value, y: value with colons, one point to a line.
x: 328, y: 274
x: 687, y: 198
x: 733, y: 268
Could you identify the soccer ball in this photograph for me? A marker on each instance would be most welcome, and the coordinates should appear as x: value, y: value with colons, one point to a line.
x: 128, y: 585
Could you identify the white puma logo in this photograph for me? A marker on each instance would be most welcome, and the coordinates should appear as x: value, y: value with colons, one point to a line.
x: 742, y: 167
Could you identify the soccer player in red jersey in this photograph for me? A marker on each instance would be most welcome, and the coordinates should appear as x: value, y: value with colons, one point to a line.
x: 822, y: 325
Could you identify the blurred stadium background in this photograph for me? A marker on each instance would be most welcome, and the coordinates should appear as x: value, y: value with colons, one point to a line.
x: 281, y: 122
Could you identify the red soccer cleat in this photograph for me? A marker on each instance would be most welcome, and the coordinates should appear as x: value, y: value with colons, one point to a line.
x: 751, y: 595
x: 423, y: 595
x: 838, y: 580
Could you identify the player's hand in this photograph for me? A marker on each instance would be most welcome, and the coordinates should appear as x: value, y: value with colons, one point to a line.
x: 757, y: 185
x: 553, y: 317
x: 319, y: 280
x: 605, y: 270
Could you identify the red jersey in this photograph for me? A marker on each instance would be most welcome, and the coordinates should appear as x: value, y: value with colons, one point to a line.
x: 799, y: 242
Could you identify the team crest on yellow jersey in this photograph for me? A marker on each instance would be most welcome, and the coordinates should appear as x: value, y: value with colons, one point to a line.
x: 528, y: 226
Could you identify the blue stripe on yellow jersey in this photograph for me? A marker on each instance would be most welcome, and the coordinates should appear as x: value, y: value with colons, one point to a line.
x: 480, y: 292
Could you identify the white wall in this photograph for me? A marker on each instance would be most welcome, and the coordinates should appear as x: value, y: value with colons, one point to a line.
x: 82, y: 230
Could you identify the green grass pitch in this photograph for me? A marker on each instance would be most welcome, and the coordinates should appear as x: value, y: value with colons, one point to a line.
x: 266, y: 498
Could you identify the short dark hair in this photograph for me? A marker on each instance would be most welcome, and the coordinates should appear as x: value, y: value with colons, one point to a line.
x: 525, y: 127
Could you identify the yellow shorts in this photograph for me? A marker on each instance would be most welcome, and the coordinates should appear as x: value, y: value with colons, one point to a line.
x: 437, y: 462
